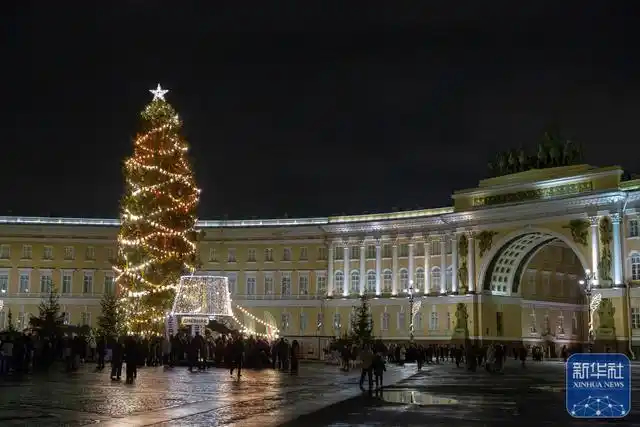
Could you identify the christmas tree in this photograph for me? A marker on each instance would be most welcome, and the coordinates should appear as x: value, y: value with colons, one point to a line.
x: 362, y: 324
x: 49, y: 321
x: 110, y: 321
x: 157, y: 240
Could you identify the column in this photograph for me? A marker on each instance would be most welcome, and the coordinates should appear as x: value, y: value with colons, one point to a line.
x: 427, y: 265
x: 454, y: 263
x: 471, y: 262
x: 411, y: 268
x: 330, y: 273
x: 617, y: 251
x: 443, y: 265
x: 595, y: 249
x: 347, y: 276
x: 363, y: 268
x: 394, y: 279
x: 378, y: 267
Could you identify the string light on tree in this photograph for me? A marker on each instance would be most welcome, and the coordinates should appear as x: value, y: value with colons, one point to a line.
x: 157, y: 239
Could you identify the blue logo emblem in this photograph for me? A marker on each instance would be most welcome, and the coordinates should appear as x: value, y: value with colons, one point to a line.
x: 598, y: 385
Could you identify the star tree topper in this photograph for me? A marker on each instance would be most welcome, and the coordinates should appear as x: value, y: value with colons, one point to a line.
x: 158, y: 93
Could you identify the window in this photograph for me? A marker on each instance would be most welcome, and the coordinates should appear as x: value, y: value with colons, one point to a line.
x: 635, y: 318
x: 635, y: 267
x: 384, y: 324
x: 533, y: 323
x: 449, y: 324
x: 319, y: 321
x: 21, y: 321
x: 4, y: 282
x: 251, y: 255
x: 433, y: 321
x: 47, y: 253
x: 634, y: 230
x: 574, y: 323
x: 371, y: 282
x: 449, y: 246
x: 285, y: 284
x: 110, y: 256
x: 46, y: 282
x: 67, y: 317
x: 387, y: 281
x: 69, y: 253
x: 546, y: 283
x: 251, y: 285
x: 337, y: 253
x: 419, y: 250
x: 499, y: 327
x: 371, y: 252
x: 402, y: 321
x: 304, y: 254
x: 24, y: 282
x: 109, y: 285
x: 231, y: 255
x: 303, y: 323
x: 85, y: 318
x: 286, y: 254
x: 531, y: 281
x: 435, y: 247
x: 435, y: 278
x: 66, y: 282
x: 87, y: 282
x: 268, y: 285
x: 337, y: 323
x: 322, y: 253
x: 268, y: 255
x: 355, y: 252
x: 404, y: 279
x: 417, y: 321
x: 213, y: 255
x: 303, y: 283
x: 26, y: 251
x: 3, y: 320
x: 321, y: 282
x: 90, y: 253
x: 5, y: 251
x: 560, y: 324
x: 419, y: 279
x: 404, y: 250
x: 386, y: 251
x: 233, y: 279
x: 560, y: 284
x: 339, y: 282
x: 354, y: 284
x: 449, y: 279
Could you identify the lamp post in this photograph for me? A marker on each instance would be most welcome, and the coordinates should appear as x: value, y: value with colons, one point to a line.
x: 586, y: 285
x: 411, y: 296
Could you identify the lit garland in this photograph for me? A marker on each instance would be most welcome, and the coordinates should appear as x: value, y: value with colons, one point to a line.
x: 156, y: 244
x: 244, y: 329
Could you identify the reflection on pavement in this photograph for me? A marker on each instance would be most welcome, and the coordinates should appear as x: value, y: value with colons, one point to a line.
x: 413, y: 397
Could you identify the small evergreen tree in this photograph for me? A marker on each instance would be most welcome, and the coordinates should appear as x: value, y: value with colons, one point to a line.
x: 362, y: 324
x: 50, y: 321
x: 110, y: 321
x: 11, y: 329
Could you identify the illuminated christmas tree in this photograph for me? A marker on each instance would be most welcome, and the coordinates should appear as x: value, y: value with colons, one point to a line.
x: 157, y: 240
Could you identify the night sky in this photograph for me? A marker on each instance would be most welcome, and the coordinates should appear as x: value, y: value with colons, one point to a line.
x: 309, y: 108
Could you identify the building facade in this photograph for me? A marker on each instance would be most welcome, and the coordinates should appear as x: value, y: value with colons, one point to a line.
x: 504, y: 263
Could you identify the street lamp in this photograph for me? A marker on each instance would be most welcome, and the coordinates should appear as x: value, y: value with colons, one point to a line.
x: 411, y: 296
x: 592, y: 305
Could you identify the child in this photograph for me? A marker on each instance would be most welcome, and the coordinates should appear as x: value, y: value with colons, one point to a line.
x: 379, y: 367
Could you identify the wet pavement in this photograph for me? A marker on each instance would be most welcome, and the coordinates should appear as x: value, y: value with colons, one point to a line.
x: 165, y: 397
x: 446, y: 395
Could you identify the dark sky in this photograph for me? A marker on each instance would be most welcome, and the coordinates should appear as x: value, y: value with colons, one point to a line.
x: 308, y: 108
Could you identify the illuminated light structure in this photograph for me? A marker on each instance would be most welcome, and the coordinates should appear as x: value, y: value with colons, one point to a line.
x: 157, y: 239
x: 202, y: 298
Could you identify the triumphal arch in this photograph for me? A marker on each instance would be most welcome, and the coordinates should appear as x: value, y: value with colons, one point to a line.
x: 518, y: 259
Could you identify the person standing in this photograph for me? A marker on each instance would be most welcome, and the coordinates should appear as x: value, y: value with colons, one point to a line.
x: 237, y: 355
x: 366, y: 357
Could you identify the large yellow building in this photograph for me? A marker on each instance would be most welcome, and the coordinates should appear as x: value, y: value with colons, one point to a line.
x: 504, y: 263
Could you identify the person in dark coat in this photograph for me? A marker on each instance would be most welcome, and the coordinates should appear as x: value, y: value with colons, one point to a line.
x: 131, y: 352
x: 117, y: 354
x: 295, y: 348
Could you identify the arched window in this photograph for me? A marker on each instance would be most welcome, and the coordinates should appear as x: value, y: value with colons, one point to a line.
x: 419, y: 279
x: 387, y: 278
x: 435, y: 278
x: 371, y: 282
x: 635, y: 267
x: 354, y: 285
x: 404, y: 280
x: 339, y: 282
x: 449, y: 279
